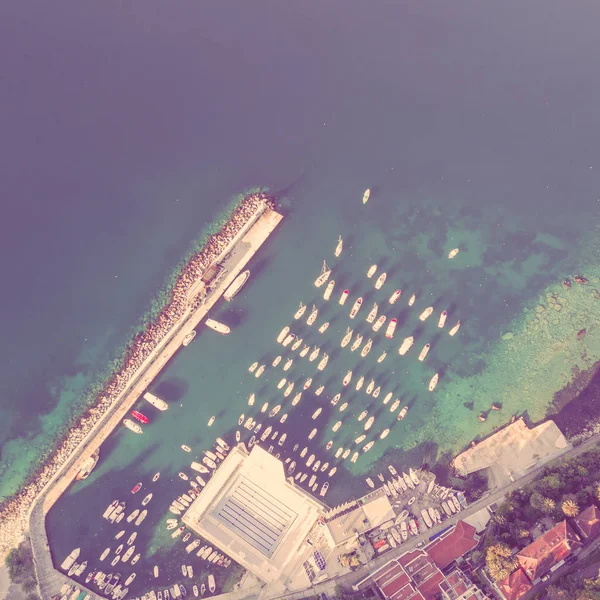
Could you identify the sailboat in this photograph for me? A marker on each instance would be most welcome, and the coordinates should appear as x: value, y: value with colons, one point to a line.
x: 301, y: 310
x: 324, y: 276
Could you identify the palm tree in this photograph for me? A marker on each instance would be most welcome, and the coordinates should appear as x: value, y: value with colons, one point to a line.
x: 548, y: 505
x: 570, y: 508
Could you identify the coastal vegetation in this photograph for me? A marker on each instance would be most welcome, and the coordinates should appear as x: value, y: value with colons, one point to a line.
x: 21, y: 571
x: 575, y: 587
x: 561, y: 490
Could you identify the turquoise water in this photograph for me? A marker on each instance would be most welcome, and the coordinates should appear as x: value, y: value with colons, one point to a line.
x: 474, y: 127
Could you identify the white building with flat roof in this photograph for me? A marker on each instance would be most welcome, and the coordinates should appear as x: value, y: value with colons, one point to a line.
x: 263, y: 521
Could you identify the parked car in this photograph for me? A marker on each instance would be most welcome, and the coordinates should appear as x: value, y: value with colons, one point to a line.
x: 421, y: 543
x: 546, y: 577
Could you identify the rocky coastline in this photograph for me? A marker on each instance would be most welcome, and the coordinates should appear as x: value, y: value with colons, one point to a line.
x: 13, y: 510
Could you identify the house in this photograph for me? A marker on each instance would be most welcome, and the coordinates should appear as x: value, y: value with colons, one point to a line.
x: 548, y: 551
x: 456, y: 543
x: 514, y: 586
x: 588, y: 522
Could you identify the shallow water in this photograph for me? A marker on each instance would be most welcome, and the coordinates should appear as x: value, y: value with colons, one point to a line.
x: 474, y: 126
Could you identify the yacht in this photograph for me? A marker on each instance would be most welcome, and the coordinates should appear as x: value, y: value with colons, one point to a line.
x: 283, y: 420
x: 260, y: 371
x: 406, y: 345
x: 335, y: 399
x: 360, y: 383
x: 200, y: 468
x: 377, y: 392
x: 380, y: 281
x: 426, y: 313
x: 132, y: 426
x: 356, y: 308
x: 344, y: 297
x: 316, y: 466
x: 379, y: 323
x: 394, y: 297
x: 314, y: 354
x: 357, y: 342
x: 372, y: 313
x: 412, y: 299
x: 300, y: 312
x: 312, y: 434
x: 314, y: 313
x: 402, y: 413
x: 324, y: 276
x: 354, y: 457
x: 346, y: 339
x: 389, y: 333
x: 338, y: 452
x: 347, y: 378
x: 288, y: 340
x: 366, y: 196
x: 361, y: 438
x: 304, y: 351
x: 332, y: 472
x: 395, y: 405
x: 323, y: 327
x: 424, y: 352
x: 297, y: 344
x: 388, y: 397
x: 367, y: 348
x: 328, y: 290
x: 218, y: 327
x: 323, y: 362
x: 414, y: 477
x: 408, y: 481
x: 311, y: 460
x: 336, y: 426
x: 382, y: 357
x: 339, y: 247
x: 307, y: 383
x: 442, y: 319
x: 384, y: 434
x: 274, y: 411
x: 324, y: 489
x: 346, y: 454
x: 297, y: 398
x: 288, y: 363
x: 319, y: 390
x: 403, y: 530
x: 434, y: 382
x: 370, y: 387
x: 452, y: 253
x: 426, y: 518
x: 283, y: 334
x: 371, y: 271
x: 455, y: 329
x: 362, y: 415
x: 288, y: 390
x: 369, y: 423
x: 236, y: 286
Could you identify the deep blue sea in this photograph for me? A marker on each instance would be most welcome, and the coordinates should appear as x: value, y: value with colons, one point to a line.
x: 128, y: 128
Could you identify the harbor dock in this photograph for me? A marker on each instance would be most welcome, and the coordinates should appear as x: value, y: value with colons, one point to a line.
x: 203, y: 297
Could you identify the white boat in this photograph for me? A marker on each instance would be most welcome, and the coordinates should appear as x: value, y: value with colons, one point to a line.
x: 377, y: 392
x: 361, y: 438
x: 312, y: 480
x: 338, y: 452
x: 388, y: 397
x: 404, y: 530
x: 367, y: 348
x: 379, y: 323
x: 357, y: 342
x: 455, y: 329
x: 344, y: 297
x: 370, y: 483
x: 128, y: 554
x: 370, y: 387
x: 251, y: 400
x: 314, y: 313
x: 132, y: 426
x: 442, y: 319
x: 297, y: 344
x: 314, y: 354
x: 283, y: 420
x: 211, y: 583
x: 362, y: 415
x: 133, y: 515
x: 312, y: 434
x: 324, y: 489
x: 366, y: 196
x: 336, y: 426
x: 389, y: 333
x: 142, y: 516
x: 288, y: 340
x: 211, y: 421
x: 288, y: 390
x: 402, y: 413
x: 319, y: 390
x: 343, y: 407
x: 236, y: 286
x: 395, y: 405
x: 382, y: 357
x: 426, y: 518
x: 434, y: 382
x: 299, y: 313
x: 120, y: 534
x: 453, y: 253
x: 156, y: 401
x: 371, y: 271
x: 323, y: 362
x: 380, y: 281
x: 369, y: 423
x: 277, y: 360
x: 324, y: 276
x: 252, y: 367
x: 280, y: 385
x: 335, y: 399
x: 307, y: 383
x: 296, y: 398
x: 282, y: 439
x: 323, y: 327
x: 354, y: 457
x: 146, y: 499
x: 408, y: 481
x: 346, y: 454
x: 360, y: 383
x: 304, y: 451
x: 339, y: 247
x: 384, y: 434
x: 88, y: 466
x: 424, y: 352
x: 328, y: 290
x: 413, y: 476
x: 394, y: 297
x: 372, y: 313
x: 406, y: 345
x: 218, y: 327
x: 275, y: 411
x: 198, y: 467
x: 426, y: 313
x: 356, y: 308
x: 283, y: 334
x: 412, y: 299
x: 347, y: 378
x: 103, y: 555
x: 260, y: 371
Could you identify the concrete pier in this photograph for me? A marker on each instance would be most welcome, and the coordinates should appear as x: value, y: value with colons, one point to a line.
x: 232, y: 260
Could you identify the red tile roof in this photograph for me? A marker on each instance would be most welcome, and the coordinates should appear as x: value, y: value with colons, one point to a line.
x: 588, y: 521
x: 548, y: 550
x: 457, y: 543
x: 515, y: 585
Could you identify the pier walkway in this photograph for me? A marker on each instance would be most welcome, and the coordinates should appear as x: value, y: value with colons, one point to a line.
x: 233, y: 260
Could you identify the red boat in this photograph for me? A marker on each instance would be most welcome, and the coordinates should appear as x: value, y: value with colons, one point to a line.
x: 139, y: 416
x: 137, y: 488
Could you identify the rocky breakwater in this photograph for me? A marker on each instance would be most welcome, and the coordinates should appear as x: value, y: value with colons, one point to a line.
x: 13, y: 511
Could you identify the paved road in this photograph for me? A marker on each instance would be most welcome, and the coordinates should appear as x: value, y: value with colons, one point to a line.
x: 355, y: 579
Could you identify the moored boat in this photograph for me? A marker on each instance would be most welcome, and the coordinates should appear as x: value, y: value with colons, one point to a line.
x: 379, y: 323
x: 283, y: 334
x: 369, y: 423
x: 314, y: 313
x: 455, y: 329
x: 236, y: 285
x: 319, y: 390
x: 297, y: 344
x: 377, y: 392
x: 382, y: 357
x: 412, y: 299
x: 324, y: 276
x: 380, y: 281
x: 288, y: 390
x: 395, y: 405
x: 370, y: 387
x: 442, y: 319
x: 301, y: 310
x: 356, y: 308
x: 324, y: 489
x: 453, y: 253
x: 132, y: 426
x: 366, y: 196
x: 88, y: 466
x: 297, y: 398
x: 371, y: 271
x: 394, y: 297
x: 211, y: 421
x: 312, y: 434
x: 388, y: 397
x: 336, y: 399
x: 343, y: 407
x: 367, y: 348
x: 323, y: 362
x: 361, y: 438
x: 360, y: 383
x: 217, y: 326
x: 260, y: 371
x: 370, y: 483
x: 307, y: 383
x: 323, y: 327
x: 314, y: 354
x: 362, y: 415
x: 336, y: 426
x: 356, y: 343
x: 426, y: 313
x: 372, y: 313
x: 328, y: 290
x: 433, y: 382
x: 347, y: 378
x: 339, y: 247
x: 187, y: 340
x: 252, y: 367
x: 277, y: 360
x: 402, y: 413
x: 391, y: 328
x: 344, y: 297
x: 384, y: 434
x: 424, y: 352
x: 406, y: 345
x: 156, y: 401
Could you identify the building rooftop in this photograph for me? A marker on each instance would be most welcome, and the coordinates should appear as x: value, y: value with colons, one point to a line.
x: 252, y: 513
x: 453, y: 545
x: 588, y: 521
x: 514, y: 586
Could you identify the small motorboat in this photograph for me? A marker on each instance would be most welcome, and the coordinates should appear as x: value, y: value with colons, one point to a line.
x: 453, y: 253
